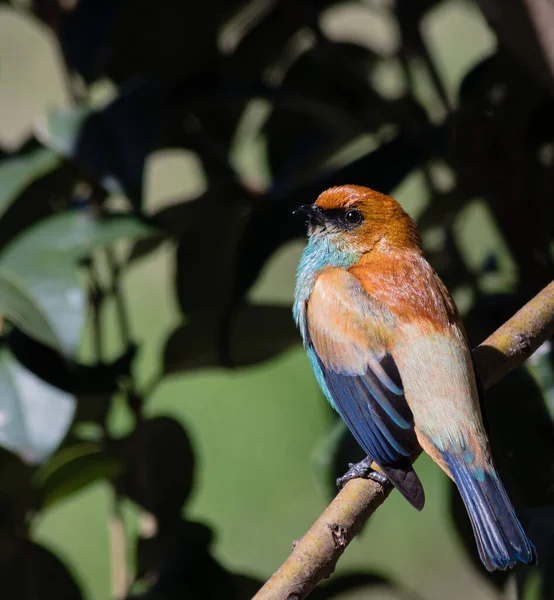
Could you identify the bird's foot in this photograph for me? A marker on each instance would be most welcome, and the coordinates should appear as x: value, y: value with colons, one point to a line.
x: 362, y: 469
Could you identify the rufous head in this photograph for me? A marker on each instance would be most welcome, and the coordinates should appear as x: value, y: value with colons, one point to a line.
x: 361, y: 218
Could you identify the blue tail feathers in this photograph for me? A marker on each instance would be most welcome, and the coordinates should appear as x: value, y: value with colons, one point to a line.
x: 500, y: 538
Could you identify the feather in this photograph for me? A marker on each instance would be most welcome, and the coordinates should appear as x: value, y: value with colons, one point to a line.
x: 344, y: 336
x: 500, y: 538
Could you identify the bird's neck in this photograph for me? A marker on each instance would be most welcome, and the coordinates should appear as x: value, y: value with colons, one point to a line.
x: 320, y: 253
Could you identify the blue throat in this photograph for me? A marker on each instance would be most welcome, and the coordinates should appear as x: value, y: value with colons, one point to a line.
x: 321, y: 251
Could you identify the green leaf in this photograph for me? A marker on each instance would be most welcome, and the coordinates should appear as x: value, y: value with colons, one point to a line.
x: 77, y: 233
x: 61, y: 126
x: 40, y: 288
x: 20, y: 307
x: 17, y: 173
x: 73, y: 468
x: 98, y: 233
x: 51, y: 282
x: 34, y: 416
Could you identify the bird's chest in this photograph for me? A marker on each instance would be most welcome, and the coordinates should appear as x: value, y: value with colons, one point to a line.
x: 320, y: 253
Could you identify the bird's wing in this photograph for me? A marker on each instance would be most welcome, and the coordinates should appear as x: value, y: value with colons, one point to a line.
x: 346, y: 337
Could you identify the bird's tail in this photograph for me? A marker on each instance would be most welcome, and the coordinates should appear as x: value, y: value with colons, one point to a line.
x: 500, y: 538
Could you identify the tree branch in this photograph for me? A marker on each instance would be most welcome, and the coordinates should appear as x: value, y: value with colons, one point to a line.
x: 315, y: 556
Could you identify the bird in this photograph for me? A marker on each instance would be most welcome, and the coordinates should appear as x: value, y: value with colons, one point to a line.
x: 390, y: 353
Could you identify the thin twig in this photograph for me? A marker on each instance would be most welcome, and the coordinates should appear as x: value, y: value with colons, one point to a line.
x: 118, y: 549
x: 122, y: 315
x: 315, y: 556
x: 95, y: 301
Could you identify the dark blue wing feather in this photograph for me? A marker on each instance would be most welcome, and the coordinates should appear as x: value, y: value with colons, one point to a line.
x: 356, y: 398
x: 380, y: 420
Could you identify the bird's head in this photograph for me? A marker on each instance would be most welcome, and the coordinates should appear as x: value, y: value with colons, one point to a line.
x: 359, y: 220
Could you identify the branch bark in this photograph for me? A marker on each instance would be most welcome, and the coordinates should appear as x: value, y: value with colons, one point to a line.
x: 315, y: 556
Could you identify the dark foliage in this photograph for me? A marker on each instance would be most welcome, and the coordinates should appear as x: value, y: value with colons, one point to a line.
x: 179, y: 86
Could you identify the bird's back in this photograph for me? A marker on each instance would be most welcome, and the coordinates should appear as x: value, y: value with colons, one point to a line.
x: 429, y: 348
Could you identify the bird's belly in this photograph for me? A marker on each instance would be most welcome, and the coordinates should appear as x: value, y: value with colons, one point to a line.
x: 439, y: 385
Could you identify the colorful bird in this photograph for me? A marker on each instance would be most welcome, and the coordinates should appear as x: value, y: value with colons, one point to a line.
x: 389, y: 351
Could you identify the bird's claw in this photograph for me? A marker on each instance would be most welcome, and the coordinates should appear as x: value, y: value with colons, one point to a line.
x: 362, y: 469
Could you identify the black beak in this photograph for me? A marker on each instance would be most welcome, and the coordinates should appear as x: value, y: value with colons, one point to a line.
x: 310, y: 213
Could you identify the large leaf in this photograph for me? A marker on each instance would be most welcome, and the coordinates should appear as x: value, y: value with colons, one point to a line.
x: 40, y: 199
x: 34, y: 416
x: 40, y: 289
x: 19, y: 306
x: 76, y: 233
x: 184, y: 221
x: 258, y: 46
x: 187, y: 46
x: 112, y: 142
x: 17, y: 173
x: 52, y: 282
x: 299, y: 139
x: 93, y: 385
x: 179, y: 563
x: 121, y: 39
x: 87, y: 233
x: 32, y: 571
x: 73, y: 468
x: 255, y: 334
x: 205, y: 262
x: 160, y: 553
x: 158, y: 472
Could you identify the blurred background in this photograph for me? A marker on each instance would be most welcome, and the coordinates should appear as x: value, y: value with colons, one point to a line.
x: 162, y: 433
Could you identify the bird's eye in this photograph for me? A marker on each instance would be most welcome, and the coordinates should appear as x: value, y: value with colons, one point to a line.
x: 353, y: 217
